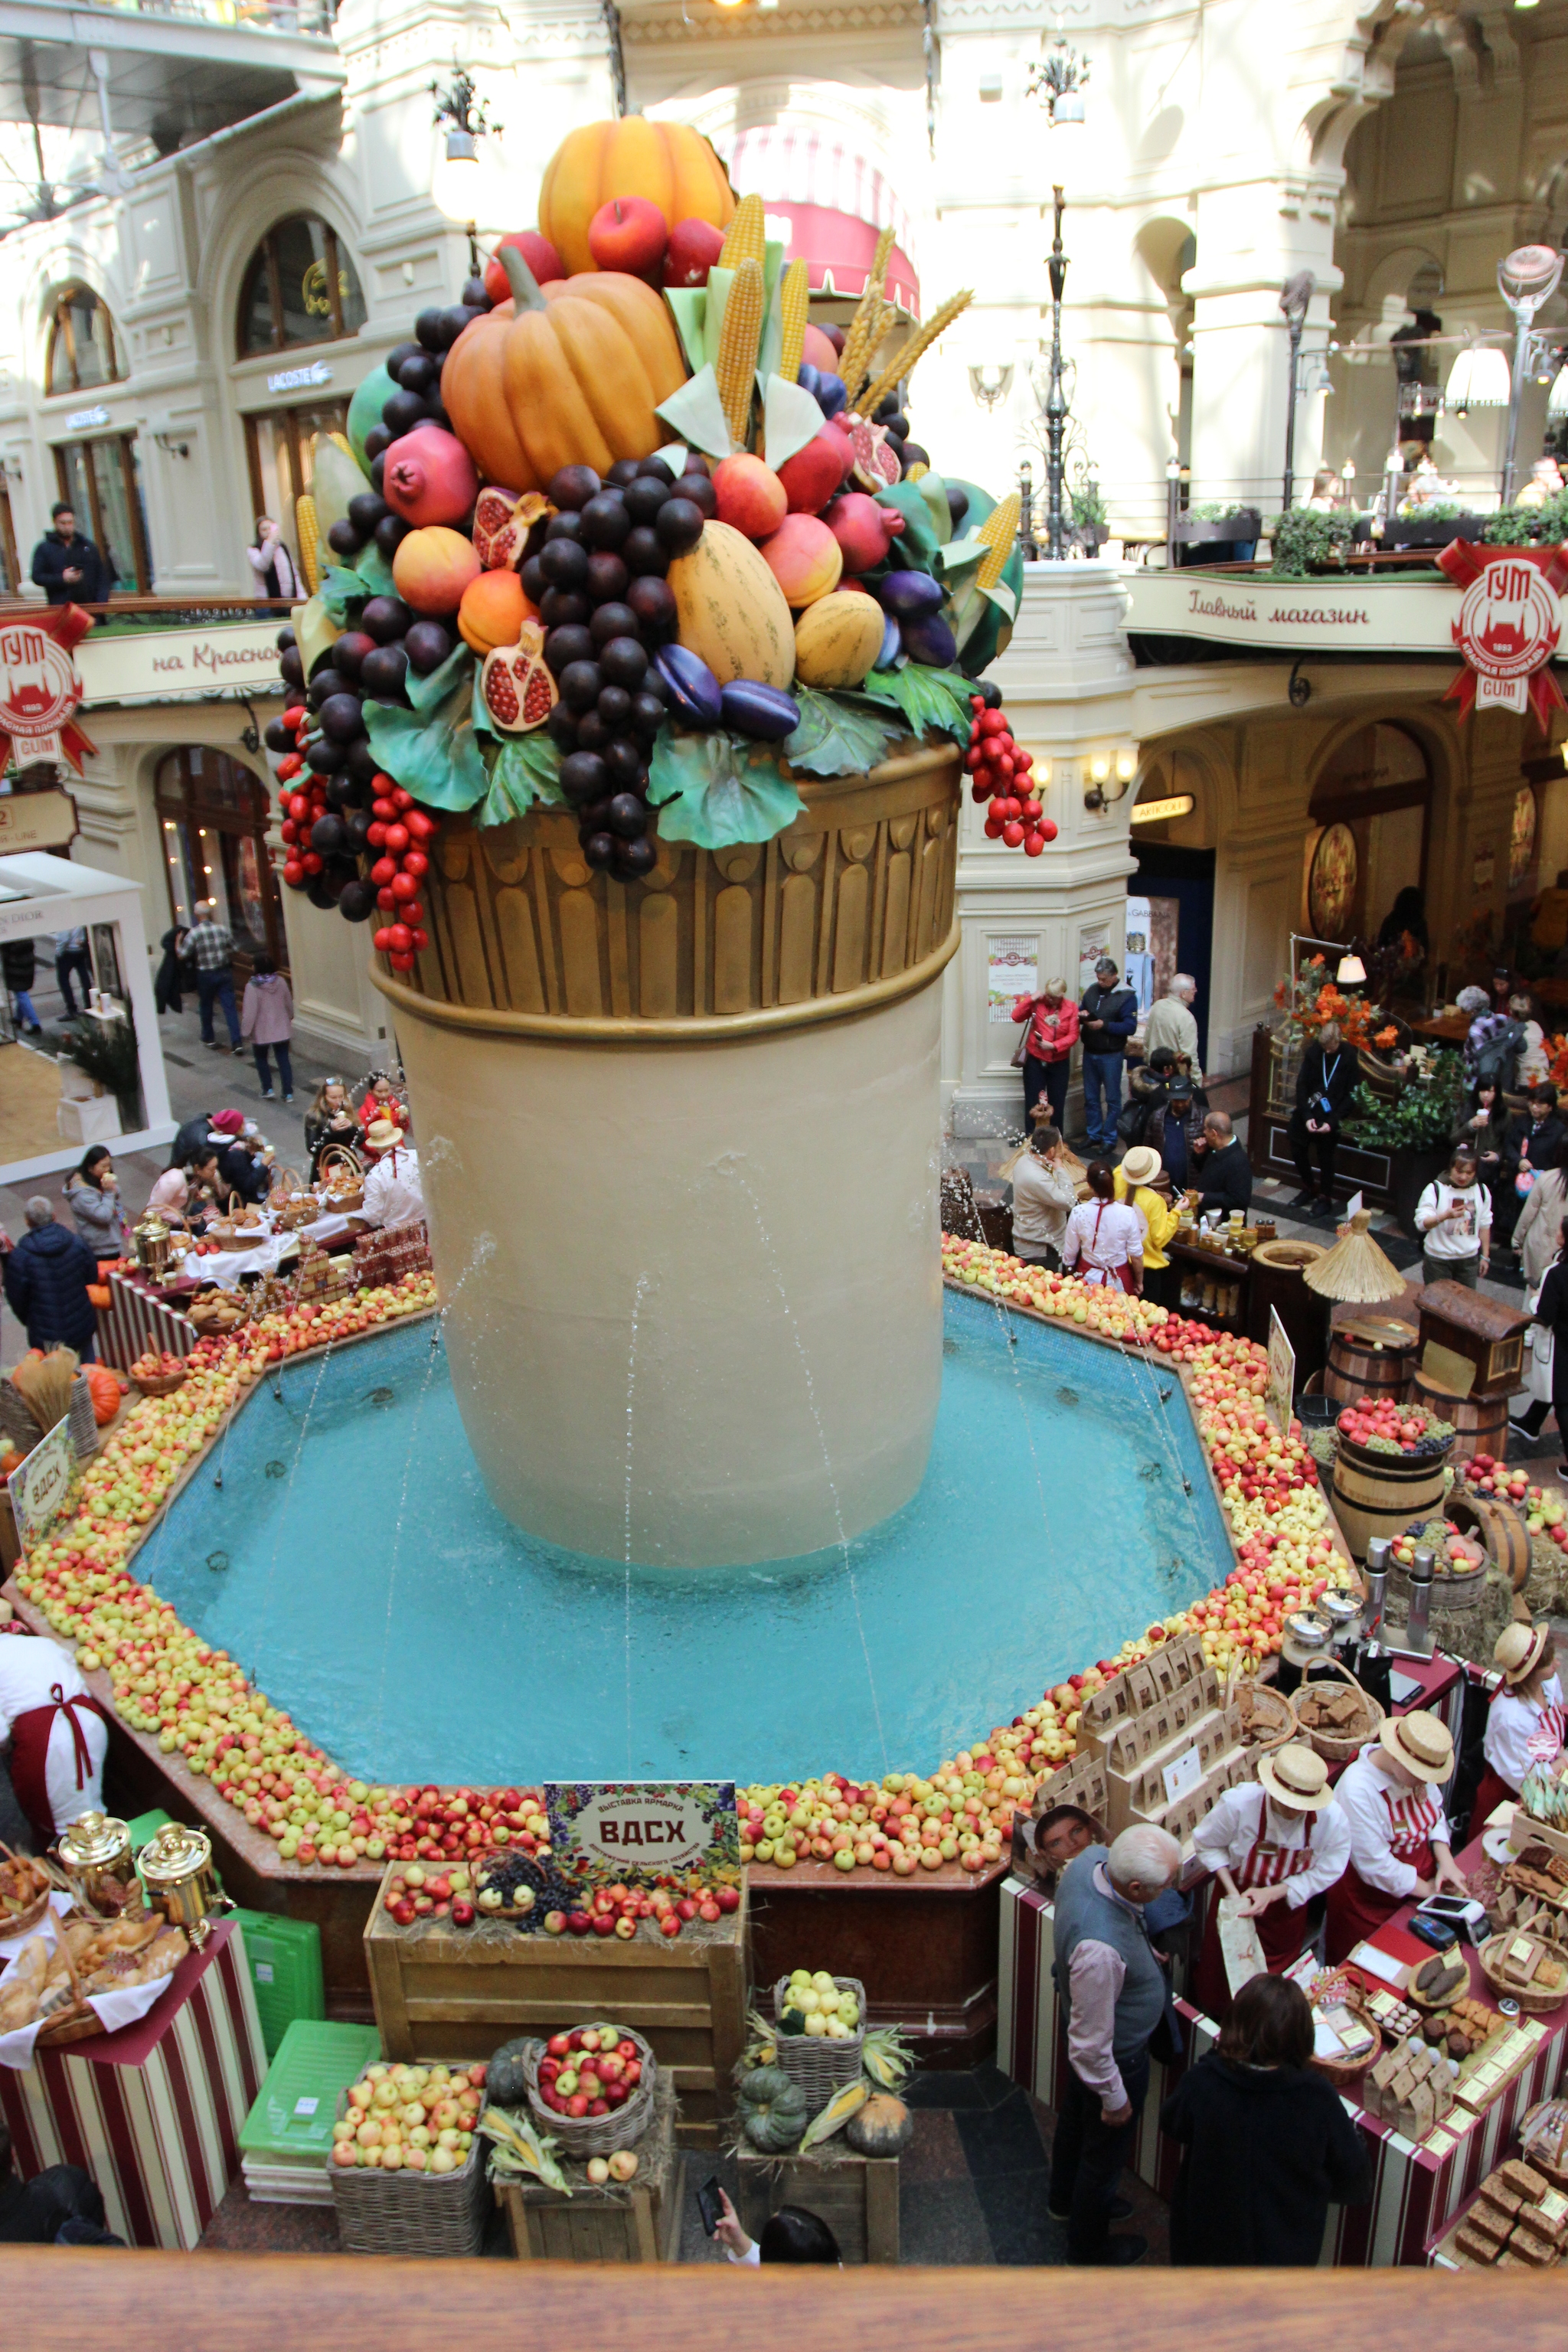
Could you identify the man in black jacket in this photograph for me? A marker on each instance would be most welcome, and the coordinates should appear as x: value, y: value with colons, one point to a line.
x: 1531, y: 1144
x: 67, y: 566
x: 1328, y: 1079
x: 1223, y: 1169
x: 1106, y: 1020
x: 46, y: 1278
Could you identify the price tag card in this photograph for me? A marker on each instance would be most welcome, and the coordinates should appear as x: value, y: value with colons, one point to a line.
x: 1182, y: 1777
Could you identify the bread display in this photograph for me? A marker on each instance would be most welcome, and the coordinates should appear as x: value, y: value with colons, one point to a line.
x: 1410, y: 2087
x: 89, y: 1956
x: 1518, y: 2221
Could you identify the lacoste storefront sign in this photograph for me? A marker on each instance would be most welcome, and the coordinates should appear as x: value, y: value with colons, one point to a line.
x: 163, y: 664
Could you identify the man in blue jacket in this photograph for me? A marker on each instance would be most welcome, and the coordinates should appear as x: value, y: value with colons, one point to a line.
x: 1107, y: 1018
x: 47, y: 1278
x: 67, y: 566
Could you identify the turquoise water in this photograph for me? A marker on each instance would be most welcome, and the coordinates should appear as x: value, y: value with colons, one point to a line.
x: 353, y: 1564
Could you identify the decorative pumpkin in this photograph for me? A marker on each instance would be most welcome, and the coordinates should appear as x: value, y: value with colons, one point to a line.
x: 774, y: 2109
x: 674, y: 167
x: 732, y: 610
x: 569, y: 375
x: 105, y: 1390
x: 505, y: 2082
x: 882, y: 2127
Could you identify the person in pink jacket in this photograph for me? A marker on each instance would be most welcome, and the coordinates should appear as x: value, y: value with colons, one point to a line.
x: 1049, y: 1042
x: 267, y: 1019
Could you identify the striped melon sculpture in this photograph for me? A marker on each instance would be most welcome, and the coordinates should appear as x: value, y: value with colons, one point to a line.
x: 644, y: 763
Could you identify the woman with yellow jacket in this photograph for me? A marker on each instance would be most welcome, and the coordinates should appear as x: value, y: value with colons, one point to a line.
x: 1140, y: 1172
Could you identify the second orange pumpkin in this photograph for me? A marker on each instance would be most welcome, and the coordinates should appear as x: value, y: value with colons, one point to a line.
x: 674, y: 167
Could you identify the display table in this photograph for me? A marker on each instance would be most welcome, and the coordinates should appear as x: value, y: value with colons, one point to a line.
x: 1417, y: 2187
x: 152, y: 2112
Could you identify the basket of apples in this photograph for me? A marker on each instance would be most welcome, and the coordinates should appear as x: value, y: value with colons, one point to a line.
x: 1375, y: 1428
x: 1459, y: 1562
x: 158, y: 1375
x: 593, y: 2086
x: 408, y: 2171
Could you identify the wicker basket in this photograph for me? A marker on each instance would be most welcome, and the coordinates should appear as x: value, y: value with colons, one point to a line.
x: 1273, y: 1715
x: 410, y: 2212
x: 1340, y: 1746
x: 584, y: 2136
x: 78, y: 2023
x: 157, y: 1383
x: 339, y: 1171
x: 1533, y: 2002
x: 818, y: 2065
x: 1343, y: 2071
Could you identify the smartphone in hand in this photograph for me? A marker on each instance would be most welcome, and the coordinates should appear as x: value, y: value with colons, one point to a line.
x: 708, y: 2204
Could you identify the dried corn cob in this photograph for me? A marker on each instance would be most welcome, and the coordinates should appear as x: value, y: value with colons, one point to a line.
x: 342, y: 441
x: 739, y: 338
x: 746, y: 238
x: 794, y: 296
x: 309, y: 539
x: 915, y: 349
x: 862, y: 341
x: 999, y: 529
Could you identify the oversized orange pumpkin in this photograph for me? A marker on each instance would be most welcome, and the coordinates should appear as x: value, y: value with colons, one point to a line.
x: 105, y: 1392
x: 675, y: 168
x: 569, y: 377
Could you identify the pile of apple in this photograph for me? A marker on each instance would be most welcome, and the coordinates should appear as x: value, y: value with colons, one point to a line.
x: 1098, y: 1307
x: 160, y: 1367
x: 814, y: 2006
x: 410, y: 2119
x: 621, y: 1911
x: 1384, y: 1427
x: 589, y: 2071
x: 1545, y: 1511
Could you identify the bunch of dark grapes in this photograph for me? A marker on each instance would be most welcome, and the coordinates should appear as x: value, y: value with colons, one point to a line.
x: 597, y: 577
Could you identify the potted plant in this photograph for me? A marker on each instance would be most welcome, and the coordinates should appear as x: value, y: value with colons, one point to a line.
x: 1091, y: 524
x: 1229, y: 534
x: 1305, y: 540
x: 1416, y: 1129
x: 1435, y: 524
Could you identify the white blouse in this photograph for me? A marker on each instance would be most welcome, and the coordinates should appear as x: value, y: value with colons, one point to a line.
x: 1224, y: 1838
x: 1379, y: 1811
x: 1102, y: 1235
x: 1521, y: 1732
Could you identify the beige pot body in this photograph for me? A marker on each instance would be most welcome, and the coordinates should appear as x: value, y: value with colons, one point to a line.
x: 689, y: 1258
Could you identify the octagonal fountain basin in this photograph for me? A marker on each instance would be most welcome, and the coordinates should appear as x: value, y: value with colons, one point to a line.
x: 353, y: 1564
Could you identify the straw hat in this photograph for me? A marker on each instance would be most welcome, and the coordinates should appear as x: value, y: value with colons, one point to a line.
x: 1142, y: 1165
x: 1419, y: 1742
x: 1518, y: 1651
x: 382, y: 1133
x: 1296, y: 1778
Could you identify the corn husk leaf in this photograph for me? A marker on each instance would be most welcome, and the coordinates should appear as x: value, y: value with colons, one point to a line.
x: 519, y: 2148
x: 837, y: 2113
x: 790, y: 418
x: 695, y: 412
x: 886, y: 2055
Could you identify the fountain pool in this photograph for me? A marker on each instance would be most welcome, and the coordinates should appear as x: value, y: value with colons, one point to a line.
x: 354, y: 1566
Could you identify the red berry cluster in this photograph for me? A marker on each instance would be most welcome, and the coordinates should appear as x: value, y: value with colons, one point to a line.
x: 398, y: 831
x: 999, y: 772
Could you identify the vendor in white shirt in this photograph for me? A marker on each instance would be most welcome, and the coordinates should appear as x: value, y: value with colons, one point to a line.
x: 58, y: 1731
x: 1400, y: 1850
x: 393, y: 1193
x: 1526, y: 1722
x: 1276, y: 1841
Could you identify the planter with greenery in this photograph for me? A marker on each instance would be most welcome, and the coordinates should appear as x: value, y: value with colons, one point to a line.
x: 1211, y: 520
x: 106, y: 1052
x: 1304, y: 542
x: 1416, y: 1129
x: 1543, y: 526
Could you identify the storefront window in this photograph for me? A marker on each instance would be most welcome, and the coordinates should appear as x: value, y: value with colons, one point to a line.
x: 278, y: 446
x: 83, y: 349
x: 300, y: 288
x: 212, y: 815
x: 102, y: 481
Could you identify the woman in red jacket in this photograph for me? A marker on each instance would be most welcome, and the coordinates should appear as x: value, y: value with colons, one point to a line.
x: 1049, y: 1042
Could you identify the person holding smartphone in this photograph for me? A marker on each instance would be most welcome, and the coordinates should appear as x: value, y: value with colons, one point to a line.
x: 1454, y: 1218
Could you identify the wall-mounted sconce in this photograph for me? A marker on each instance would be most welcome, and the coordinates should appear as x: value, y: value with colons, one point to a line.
x: 990, y: 385
x: 172, y: 446
x: 1110, y: 774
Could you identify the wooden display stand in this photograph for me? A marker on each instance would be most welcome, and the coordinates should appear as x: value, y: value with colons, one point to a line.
x: 639, y: 2224
x: 856, y: 2196
x: 442, y: 1997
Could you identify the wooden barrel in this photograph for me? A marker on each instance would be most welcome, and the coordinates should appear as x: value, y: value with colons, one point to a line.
x: 1382, y: 1500
x: 1481, y: 1421
x: 1371, y: 1359
x: 1500, y: 1527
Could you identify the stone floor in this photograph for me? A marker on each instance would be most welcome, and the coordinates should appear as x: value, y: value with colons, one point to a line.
x: 972, y: 2189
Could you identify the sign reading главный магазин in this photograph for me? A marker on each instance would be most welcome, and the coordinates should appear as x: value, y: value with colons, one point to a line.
x: 643, y: 1831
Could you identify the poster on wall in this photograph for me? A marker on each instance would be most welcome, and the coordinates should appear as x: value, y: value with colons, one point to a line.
x: 1093, y: 942
x: 644, y: 1833
x: 1012, y: 968
x: 1139, y: 971
x: 1331, y: 885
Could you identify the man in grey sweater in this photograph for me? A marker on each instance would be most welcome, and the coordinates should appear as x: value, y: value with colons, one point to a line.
x: 1113, y: 1990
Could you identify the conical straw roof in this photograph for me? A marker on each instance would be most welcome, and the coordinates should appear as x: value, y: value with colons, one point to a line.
x: 1355, y: 1271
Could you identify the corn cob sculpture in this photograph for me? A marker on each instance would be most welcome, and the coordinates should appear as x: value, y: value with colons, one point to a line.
x: 739, y: 340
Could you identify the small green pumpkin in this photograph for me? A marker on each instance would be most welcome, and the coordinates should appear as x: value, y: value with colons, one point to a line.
x: 882, y: 2127
x: 775, y: 2109
x: 505, y: 2080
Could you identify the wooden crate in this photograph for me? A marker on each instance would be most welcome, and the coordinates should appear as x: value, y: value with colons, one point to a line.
x: 640, y: 2223
x: 856, y: 2196
x: 445, y: 1996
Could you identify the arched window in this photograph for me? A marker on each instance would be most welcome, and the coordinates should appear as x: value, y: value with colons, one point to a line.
x: 84, y: 350
x: 299, y: 289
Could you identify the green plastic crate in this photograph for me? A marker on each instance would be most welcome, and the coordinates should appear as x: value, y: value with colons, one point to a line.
x: 291, y: 2122
x: 284, y: 1956
x: 146, y: 1827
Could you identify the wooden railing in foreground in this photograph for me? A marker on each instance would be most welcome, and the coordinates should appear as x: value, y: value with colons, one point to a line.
x: 84, y: 2302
